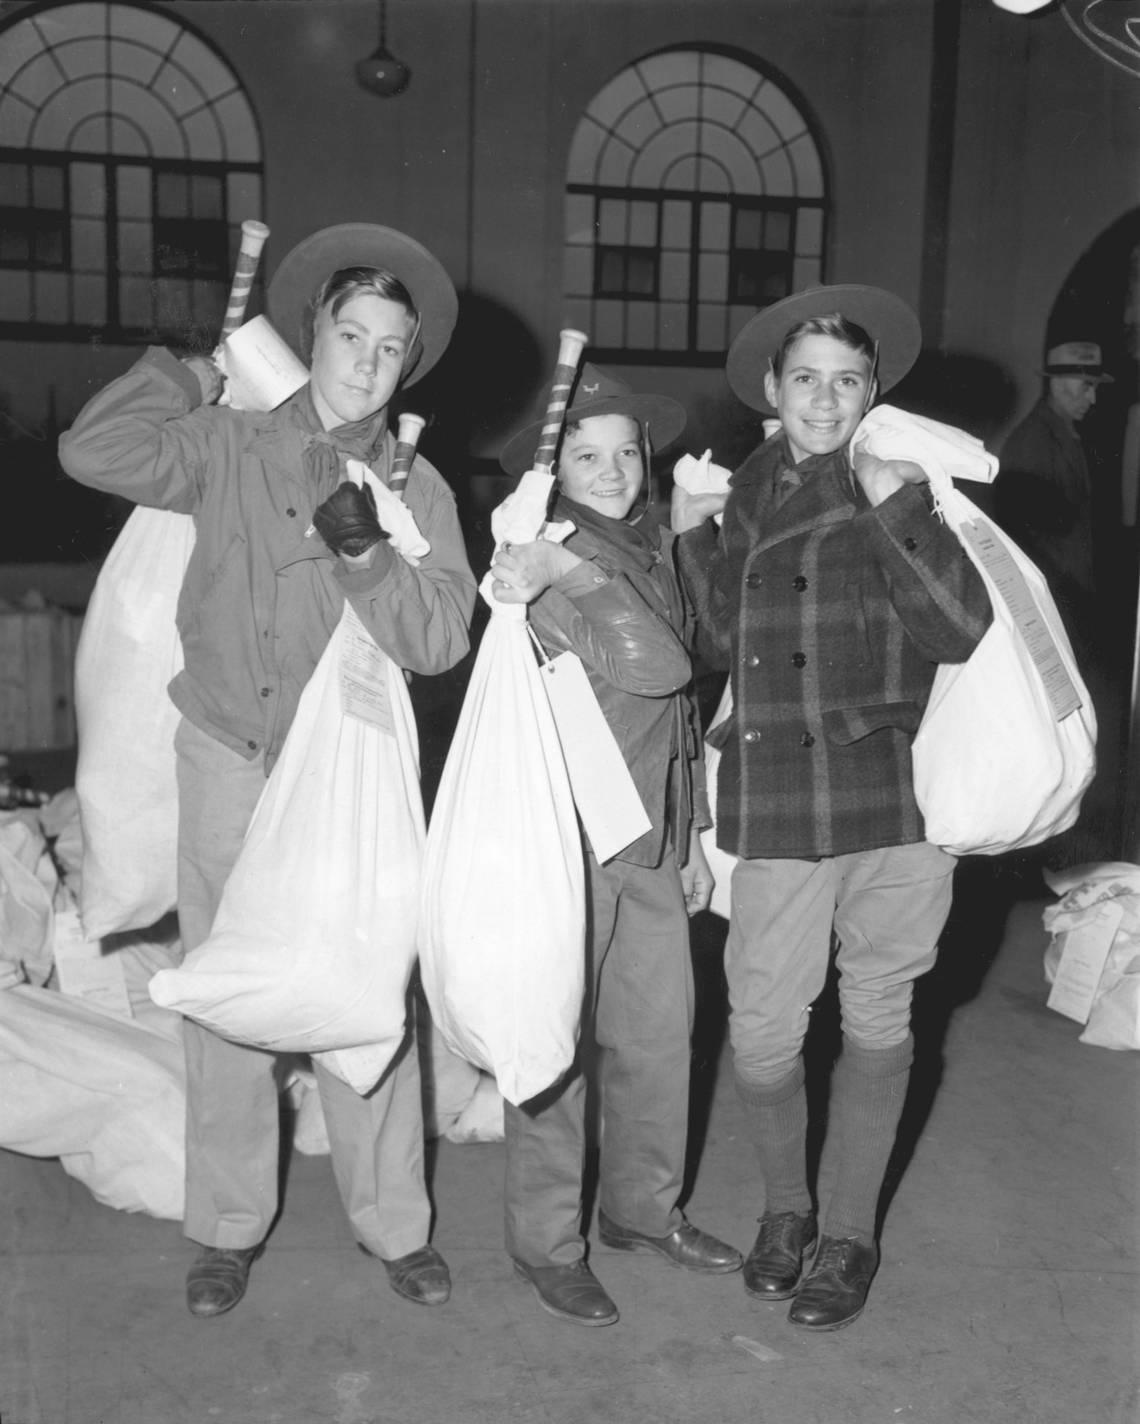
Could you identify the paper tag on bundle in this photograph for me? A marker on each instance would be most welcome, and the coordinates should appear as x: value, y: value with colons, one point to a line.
x: 607, y: 800
x: 261, y: 370
x: 1083, y: 957
x: 998, y: 563
x: 363, y: 673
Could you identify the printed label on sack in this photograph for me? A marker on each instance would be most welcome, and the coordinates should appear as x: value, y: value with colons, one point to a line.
x: 1083, y: 957
x: 1018, y: 597
x: 363, y: 671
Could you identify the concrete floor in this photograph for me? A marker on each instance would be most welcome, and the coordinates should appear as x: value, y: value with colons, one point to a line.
x: 1007, y: 1294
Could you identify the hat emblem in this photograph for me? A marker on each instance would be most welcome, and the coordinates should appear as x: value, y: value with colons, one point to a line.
x: 592, y: 390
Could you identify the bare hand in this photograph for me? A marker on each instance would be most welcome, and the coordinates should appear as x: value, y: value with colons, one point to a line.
x: 880, y: 478
x: 520, y: 572
x: 697, y: 879
x: 211, y: 380
x: 689, y: 511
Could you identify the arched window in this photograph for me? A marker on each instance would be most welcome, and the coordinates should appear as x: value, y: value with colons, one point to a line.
x: 129, y: 157
x: 695, y: 195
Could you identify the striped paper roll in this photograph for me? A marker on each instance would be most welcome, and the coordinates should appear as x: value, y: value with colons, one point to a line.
x: 253, y: 235
x: 570, y: 346
x: 407, y: 436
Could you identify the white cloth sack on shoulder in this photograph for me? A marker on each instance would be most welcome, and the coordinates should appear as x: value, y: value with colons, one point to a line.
x: 1007, y: 744
x: 129, y: 650
x: 314, y: 940
x: 944, y: 452
x: 502, y: 919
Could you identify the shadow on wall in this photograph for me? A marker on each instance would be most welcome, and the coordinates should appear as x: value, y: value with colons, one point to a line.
x: 966, y: 391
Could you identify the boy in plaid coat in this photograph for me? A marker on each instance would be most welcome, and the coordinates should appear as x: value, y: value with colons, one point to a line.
x: 830, y: 592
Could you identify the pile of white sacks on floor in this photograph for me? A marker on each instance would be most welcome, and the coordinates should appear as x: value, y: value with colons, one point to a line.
x: 1093, y: 958
x: 92, y: 1070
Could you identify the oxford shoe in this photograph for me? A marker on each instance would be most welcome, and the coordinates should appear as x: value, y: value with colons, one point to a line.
x: 834, y: 1291
x: 218, y: 1278
x: 776, y: 1262
x: 571, y: 1293
x: 421, y: 1276
x: 687, y: 1247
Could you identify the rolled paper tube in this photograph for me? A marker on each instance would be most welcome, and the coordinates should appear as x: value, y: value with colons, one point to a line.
x: 570, y: 346
x: 253, y: 235
x: 407, y: 435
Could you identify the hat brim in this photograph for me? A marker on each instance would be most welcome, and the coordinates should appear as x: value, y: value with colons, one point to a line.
x: 660, y: 417
x: 1090, y: 373
x: 885, y: 317
x: 301, y: 271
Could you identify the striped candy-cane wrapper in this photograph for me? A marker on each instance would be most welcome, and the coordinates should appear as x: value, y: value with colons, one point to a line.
x: 570, y: 346
x: 253, y: 235
x: 407, y: 435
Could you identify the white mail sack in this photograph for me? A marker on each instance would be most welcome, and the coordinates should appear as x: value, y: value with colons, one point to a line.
x: 502, y: 920
x: 1007, y: 744
x: 125, y: 781
x: 314, y: 940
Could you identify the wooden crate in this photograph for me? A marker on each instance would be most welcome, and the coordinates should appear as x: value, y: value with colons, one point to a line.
x: 37, y: 688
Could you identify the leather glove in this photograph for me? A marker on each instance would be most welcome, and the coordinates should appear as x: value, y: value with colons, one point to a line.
x: 347, y: 520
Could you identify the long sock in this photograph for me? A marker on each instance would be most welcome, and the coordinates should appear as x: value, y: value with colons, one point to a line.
x: 867, y: 1094
x: 777, y: 1114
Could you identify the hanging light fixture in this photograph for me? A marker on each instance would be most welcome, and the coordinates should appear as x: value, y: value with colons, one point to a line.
x: 382, y: 73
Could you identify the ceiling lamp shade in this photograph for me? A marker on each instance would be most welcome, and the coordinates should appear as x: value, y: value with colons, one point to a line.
x: 382, y: 73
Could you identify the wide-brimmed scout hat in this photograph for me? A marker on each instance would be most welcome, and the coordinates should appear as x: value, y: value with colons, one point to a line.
x: 597, y: 393
x: 886, y: 318
x: 1076, y: 358
x: 301, y: 271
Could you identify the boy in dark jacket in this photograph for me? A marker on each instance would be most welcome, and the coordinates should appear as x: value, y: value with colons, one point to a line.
x: 831, y: 592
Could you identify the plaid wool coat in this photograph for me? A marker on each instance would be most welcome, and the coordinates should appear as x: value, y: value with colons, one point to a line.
x: 832, y: 617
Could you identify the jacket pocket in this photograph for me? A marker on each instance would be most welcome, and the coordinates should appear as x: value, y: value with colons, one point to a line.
x: 845, y: 725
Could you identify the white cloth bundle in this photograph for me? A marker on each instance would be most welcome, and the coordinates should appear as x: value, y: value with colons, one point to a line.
x: 1007, y: 744
x: 502, y: 919
x: 944, y: 452
x: 125, y: 778
x: 314, y: 940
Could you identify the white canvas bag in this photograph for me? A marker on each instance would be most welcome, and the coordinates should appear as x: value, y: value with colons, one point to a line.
x: 125, y: 780
x: 1007, y: 744
x: 314, y: 940
x: 503, y: 918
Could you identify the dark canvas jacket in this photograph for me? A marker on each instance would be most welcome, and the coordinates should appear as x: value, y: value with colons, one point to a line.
x: 831, y: 616
x: 629, y: 627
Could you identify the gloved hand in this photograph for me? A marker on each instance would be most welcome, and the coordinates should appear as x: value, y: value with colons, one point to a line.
x: 347, y: 520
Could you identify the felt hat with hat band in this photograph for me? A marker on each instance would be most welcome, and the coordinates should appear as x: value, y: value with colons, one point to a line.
x: 301, y: 271
x: 884, y: 317
x: 1076, y: 358
x: 596, y: 393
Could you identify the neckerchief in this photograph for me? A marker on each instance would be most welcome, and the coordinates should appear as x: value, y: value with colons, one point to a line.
x: 324, y: 449
x: 638, y: 540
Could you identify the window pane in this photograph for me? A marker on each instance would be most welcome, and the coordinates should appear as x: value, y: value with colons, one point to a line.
x: 15, y: 240
x: 47, y: 187
x: 675, y: 275
x: 676, y: 224
x: 579, y: 218
x: 13, y: 185
x: 244, y: 193
x: 674, y: 328
x: 88, y: 189
x: 778, y: 231
x: 713, y: 276
x: 714, y: 226
x: 608, y: 324
x: 135, y: 303
x: 134, y: 191
x: 49, y: 247
x: 711, y: 327
x: 88, y: 245
x: 643, y: 224
x: 642, y: 328
x: 809, y: 232
x: 610, y: 271
x: 612, y: 213
x: 51, y: 297
x: 206, y: 196
x: 579, y: 279
x: 641, y: 275
x: 135, y: 247
x: 173, y: 195
x: 90, y: 297
x: 15, y: 297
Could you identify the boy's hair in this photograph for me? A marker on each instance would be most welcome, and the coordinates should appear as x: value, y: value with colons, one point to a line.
x: 573, y: 426
x: 341, y: 286
x: 834, y: 325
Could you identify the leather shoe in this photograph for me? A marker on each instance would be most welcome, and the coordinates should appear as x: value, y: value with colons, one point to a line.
x: 420, y: 1276
x: 218, y: 1278
x: 571, y: 1293
x: 776, y: 1262
x: 687, y: 1247
x: 834, y: 1291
